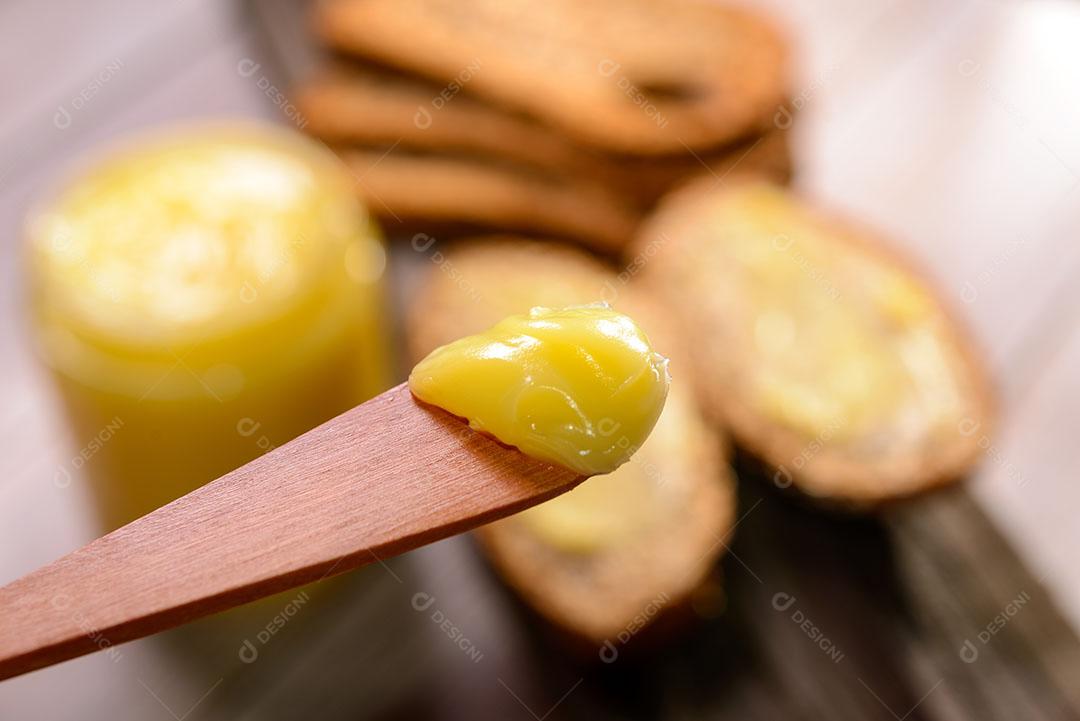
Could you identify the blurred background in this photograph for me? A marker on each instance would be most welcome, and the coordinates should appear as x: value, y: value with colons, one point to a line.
x: 951, y: 126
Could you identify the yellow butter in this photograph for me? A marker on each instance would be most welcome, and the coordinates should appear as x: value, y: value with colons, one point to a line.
x: 846, y: 343
x: 578, y: 386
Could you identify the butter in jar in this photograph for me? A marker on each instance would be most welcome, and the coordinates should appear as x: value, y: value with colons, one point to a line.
x: 205, y: 295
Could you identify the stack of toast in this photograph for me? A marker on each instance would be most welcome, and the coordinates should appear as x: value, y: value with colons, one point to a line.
x: 559, y: 118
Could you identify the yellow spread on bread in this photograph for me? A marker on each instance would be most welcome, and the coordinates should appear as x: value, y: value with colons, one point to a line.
x: 844, y: 342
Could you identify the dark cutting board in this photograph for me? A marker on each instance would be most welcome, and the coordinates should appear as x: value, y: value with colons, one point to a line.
x: 922, y: 612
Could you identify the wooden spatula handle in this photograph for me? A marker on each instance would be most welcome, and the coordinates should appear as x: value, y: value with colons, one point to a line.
x: 383, y: 478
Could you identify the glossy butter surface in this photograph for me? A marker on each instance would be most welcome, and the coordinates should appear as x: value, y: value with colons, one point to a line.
x: 578, y: 386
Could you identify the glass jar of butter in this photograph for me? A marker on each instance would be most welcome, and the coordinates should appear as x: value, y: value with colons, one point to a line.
x: 201, y: 297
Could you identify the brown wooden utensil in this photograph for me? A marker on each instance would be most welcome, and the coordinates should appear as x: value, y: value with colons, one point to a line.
x: 385, y: 477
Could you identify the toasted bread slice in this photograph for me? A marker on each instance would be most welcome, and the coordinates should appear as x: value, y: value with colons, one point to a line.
x: 822, y: 350
x: 624, y: 549
x: 644, y: 77
x: 356, y: 105
x: 405, y: 187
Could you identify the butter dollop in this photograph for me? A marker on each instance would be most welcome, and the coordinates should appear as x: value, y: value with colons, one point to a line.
x: 578, y: 386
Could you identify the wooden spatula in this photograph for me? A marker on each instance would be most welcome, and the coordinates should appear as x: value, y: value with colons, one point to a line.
x: 388, y: 476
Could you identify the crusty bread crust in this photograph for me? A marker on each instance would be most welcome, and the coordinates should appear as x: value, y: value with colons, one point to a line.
x: 828, y: 473
x: 644, y: 77
x: 454, y: 298
x: 595, y: 596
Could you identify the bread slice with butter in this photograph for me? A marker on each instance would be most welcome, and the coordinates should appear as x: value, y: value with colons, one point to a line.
x: 625, y: 549
x: 822, y: 350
